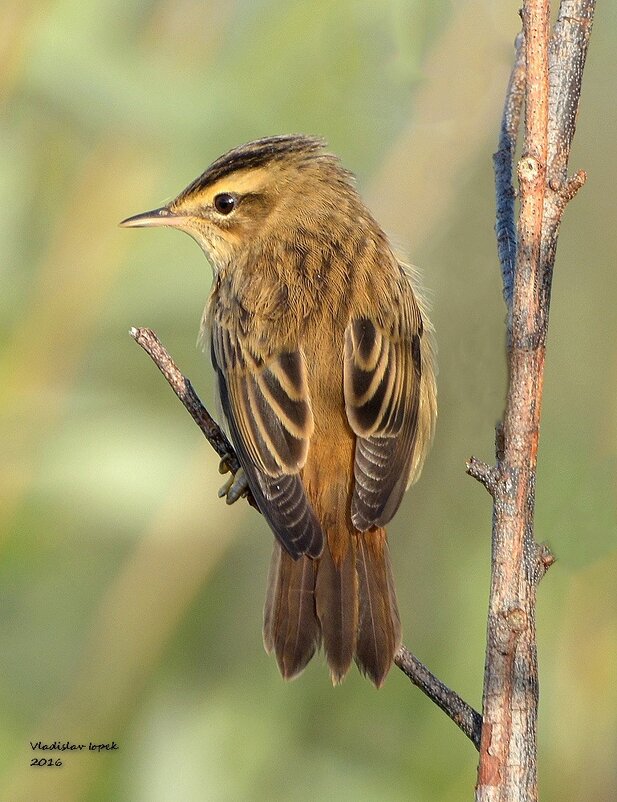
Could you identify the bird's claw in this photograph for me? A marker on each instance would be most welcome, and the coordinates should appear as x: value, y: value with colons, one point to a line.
x: 224, y: 464
x: 235, y: 487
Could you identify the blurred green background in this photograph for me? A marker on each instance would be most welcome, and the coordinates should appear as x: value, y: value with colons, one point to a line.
x: 130, y: 596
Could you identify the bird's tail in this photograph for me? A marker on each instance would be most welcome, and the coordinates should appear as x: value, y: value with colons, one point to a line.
x: 344, y: 600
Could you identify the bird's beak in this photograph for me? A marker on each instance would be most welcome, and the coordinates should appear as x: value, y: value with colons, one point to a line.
x: 157, y: 217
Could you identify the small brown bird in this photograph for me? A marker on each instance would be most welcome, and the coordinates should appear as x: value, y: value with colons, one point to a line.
x: 323, y: 355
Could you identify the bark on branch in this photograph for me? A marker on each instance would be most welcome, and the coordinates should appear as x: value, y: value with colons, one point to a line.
x: 550, y: 70
x: 465, y: 717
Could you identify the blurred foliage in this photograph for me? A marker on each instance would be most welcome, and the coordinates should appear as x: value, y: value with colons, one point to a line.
x: 130, y: 597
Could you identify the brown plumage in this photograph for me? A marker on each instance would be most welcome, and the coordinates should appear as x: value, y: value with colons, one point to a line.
x: 323, y: 356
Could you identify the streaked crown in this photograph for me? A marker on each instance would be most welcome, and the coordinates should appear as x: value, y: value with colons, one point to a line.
x: 247, y: 192
x: 257, y: 154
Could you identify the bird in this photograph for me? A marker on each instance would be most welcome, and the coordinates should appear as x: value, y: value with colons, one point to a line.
x: 323, y: 355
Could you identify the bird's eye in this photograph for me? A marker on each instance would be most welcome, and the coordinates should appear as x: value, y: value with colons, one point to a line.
x: 224, y: 203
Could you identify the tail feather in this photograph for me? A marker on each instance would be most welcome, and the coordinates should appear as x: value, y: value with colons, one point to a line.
x: 272, y: 606
x: 379, y: 629
x: 347, y: 600
x: 336, y: 595
x: 291, y: 628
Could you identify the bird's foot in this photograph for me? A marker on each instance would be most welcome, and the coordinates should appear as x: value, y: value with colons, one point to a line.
x: 236, y: 486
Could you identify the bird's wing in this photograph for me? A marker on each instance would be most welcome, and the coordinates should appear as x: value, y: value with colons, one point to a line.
x: 382, y: 385
x: 265, y: 399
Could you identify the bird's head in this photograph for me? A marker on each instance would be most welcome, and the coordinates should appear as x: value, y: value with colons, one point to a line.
x: 279, y: 185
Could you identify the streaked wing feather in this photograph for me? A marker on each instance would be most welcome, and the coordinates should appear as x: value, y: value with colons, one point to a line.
x: 266, y: 403
x: 382, y: 376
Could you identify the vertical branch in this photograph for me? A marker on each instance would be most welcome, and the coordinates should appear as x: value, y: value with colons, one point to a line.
x: 567, y: 55
x: 505, y: 229
x: 507, y: 768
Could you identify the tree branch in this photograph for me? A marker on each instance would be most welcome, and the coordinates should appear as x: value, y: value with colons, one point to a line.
x: 183, y: 388
x: 505, y: 228
x: 487, y: 475
x: 507, y: 767
x: 463, y: 715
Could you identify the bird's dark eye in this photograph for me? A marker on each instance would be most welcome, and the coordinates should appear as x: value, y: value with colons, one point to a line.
x: 224, y: 203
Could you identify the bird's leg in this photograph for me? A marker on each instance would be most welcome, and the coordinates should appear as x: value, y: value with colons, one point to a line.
x: 236, y: 486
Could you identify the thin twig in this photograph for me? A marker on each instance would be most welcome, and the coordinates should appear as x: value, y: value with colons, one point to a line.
x: 544, y: 559
x: 567, y: 55
x: 464, y: 716
x: 183, y: 388
x: 567, y: 191
x: 505, y: 227
x: 487, y: 475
